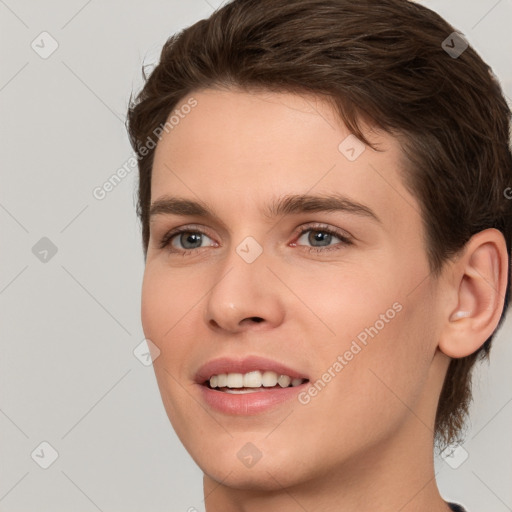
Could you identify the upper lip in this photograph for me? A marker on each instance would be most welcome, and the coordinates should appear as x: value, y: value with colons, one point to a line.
x: 245, y: 365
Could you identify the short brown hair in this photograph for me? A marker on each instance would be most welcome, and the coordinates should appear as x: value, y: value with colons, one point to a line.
x: 380, y: 61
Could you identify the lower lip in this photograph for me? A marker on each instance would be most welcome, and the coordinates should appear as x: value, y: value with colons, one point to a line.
x: 249, y: 403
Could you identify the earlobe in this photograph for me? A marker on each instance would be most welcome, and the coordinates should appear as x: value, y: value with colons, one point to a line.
x: 479, y: 284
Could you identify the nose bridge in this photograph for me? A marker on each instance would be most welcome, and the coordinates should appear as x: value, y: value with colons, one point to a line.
x: 241, y: 289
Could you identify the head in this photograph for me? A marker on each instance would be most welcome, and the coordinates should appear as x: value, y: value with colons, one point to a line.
x: 262, y: 94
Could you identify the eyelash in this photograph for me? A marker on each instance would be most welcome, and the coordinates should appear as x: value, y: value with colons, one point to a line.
x: 167, y: 238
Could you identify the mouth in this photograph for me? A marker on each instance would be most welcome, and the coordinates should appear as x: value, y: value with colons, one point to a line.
x: 247, y: 401
x: 251, y: 382
x: 250, y: 372
x: 252, y: 385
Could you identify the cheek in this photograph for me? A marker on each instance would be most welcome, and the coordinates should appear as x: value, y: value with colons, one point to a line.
x: 153, y: 303
x: 166, y: 298
x: 386, y: 376
x: 381, y: 348
x: 344, y: 302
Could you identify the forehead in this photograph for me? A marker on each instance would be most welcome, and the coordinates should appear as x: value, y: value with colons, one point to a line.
x: 262, y: 122
x: 265, y: 144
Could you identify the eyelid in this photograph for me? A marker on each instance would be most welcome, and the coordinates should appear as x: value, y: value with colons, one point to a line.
x: 320, y: 226
x: 345, y: 237
x: 166, y: 238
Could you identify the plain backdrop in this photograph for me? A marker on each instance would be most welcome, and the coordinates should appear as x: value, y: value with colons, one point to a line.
x: 71, y: 268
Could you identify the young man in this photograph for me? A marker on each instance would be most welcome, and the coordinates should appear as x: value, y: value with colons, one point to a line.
x: 327, y: 243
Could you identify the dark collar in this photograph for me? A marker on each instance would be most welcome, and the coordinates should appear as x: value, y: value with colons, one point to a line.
x: 455, y: 507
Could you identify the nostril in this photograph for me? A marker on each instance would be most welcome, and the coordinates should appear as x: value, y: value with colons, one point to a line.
x: 257, y: 319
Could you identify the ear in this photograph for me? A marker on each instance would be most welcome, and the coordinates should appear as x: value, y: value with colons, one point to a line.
x: 477, y: 288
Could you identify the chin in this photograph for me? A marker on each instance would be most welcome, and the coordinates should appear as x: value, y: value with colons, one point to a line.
x: 258, y: 478
x: 241, y: 464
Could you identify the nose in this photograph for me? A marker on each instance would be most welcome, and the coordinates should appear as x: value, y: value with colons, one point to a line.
x: 244, y: 296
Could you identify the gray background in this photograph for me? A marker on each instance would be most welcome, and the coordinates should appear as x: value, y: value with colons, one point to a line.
x: 69, y: 325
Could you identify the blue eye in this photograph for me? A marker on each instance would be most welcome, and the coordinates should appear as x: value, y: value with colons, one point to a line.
x: 192, y: 239
x: 188, y: 238
x: 323, y: 236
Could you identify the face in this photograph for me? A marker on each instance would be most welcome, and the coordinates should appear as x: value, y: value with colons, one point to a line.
x: 340, y: 296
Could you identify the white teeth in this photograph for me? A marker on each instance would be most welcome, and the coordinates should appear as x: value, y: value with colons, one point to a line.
x: 269, y: 379
x: 251, y: 379
x: 284, y: 381
x: 254, y: 379
x: 235, y: 380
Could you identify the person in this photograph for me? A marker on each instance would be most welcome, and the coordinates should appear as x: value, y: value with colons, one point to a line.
x: 326, y: 236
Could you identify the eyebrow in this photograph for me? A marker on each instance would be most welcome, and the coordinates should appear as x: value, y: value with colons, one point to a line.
x: 286, y: 205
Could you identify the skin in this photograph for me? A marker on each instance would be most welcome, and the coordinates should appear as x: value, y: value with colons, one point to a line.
x: 365, y: 441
